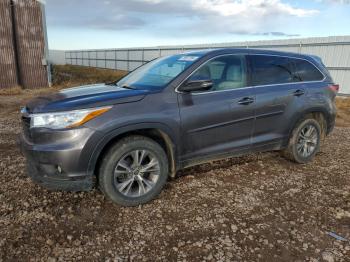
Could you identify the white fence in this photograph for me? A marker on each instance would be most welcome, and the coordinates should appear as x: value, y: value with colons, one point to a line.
x: 334, y: 51
x: 57, y: 57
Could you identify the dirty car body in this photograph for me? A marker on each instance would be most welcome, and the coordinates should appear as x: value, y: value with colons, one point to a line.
x: 196, y: 106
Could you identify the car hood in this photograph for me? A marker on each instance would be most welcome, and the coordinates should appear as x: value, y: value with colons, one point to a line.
x: 84, y: 97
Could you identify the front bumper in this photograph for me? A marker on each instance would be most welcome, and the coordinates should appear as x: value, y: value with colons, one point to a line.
x: 39, y: 176
x: 58, y: 160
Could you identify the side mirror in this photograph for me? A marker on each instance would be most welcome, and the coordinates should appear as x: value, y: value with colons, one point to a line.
x: 196, y: 85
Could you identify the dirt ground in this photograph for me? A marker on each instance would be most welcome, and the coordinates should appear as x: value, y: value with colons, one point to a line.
x: 259, y: 207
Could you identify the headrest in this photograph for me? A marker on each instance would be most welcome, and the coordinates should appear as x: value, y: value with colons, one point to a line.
x: 204, y: 72
x: 234, y: 73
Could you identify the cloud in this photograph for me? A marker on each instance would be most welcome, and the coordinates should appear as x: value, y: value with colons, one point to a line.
x: 178, y: 17
x: 335, y: 1
x: 279, y: 34
x: 250, y: 17
x: 224, y: 8
x: 116, y: 22
x: 90, y: 14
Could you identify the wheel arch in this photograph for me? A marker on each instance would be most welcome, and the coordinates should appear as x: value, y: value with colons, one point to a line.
x: 318, y: 113
x: 160, y: 133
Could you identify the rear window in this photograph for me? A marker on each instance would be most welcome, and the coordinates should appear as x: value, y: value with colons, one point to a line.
x: 307, y: 71
x: 269, y: 70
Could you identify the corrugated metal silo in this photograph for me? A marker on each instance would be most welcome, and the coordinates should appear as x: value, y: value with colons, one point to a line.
x: 30, y: 43
x: 8, y: 69
x: 23, y: 44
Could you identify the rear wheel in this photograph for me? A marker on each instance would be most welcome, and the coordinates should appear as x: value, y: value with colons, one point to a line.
x: 304, y: 142
x: 133, y: 171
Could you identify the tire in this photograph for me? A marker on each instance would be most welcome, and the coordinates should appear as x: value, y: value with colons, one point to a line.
x: 121, y: 165
x: 294, y: 150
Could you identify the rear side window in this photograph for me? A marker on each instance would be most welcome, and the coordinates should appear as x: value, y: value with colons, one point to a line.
x: 269, y: 70
x: 306, y: 71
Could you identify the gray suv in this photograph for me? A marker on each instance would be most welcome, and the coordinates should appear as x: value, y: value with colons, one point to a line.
x: 130, y: 136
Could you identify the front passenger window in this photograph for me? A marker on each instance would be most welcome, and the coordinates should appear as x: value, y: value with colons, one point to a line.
x: 226, y: 72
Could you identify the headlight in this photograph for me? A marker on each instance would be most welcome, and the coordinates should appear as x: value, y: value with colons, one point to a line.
x: 66, y: 119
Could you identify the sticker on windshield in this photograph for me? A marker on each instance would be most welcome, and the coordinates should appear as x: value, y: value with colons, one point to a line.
x: 188, y: 58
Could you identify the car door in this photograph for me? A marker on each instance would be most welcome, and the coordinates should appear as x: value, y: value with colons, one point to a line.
x: 221, y: 119
x: 277, y: 94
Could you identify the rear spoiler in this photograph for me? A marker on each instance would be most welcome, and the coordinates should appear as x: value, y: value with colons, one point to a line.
x: 317, y: 59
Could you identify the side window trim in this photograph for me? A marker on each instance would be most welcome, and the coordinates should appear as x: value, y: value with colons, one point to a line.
x: 249, y: 73
x: 285, y: 56
x: 247, y: 70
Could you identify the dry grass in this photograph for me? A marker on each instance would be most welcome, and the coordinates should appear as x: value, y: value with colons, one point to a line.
x: 18, y: 91
x: 343, y: 114
x: 11, y: 99
x: 12, y: 91
x: 69, y: 75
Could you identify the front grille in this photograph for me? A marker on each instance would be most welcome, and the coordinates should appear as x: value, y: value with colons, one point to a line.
x: 26, y: 126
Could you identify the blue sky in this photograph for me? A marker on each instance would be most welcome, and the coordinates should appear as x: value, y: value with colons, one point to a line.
x: 90, y: 24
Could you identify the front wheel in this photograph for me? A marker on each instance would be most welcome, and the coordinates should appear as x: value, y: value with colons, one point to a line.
x: 133, y: 171
x: 304, y: 142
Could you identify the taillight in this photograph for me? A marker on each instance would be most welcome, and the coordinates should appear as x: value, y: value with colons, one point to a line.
x: 334, y: 88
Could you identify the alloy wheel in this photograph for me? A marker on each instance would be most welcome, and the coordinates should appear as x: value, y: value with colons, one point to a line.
x: 307, y: 141
x: 136, y: 173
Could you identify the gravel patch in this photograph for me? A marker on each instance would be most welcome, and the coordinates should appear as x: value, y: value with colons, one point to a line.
x: 259, y: 207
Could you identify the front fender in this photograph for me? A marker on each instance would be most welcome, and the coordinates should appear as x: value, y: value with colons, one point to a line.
x: 108, y: 137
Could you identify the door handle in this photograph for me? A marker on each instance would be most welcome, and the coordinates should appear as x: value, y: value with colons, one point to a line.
x: 299, y: 92
x: 246, y: 101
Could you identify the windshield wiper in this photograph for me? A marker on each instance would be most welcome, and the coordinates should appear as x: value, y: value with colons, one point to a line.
x: 123, y: 86
x: 114, y: 83
x: 127, y: 87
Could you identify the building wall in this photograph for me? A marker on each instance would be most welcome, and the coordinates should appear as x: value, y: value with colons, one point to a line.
x: 23, y: 37
x: 334, y: 51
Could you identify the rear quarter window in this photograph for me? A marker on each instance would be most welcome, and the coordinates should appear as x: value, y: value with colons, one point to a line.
x: 306, y: 71
x: 270, y: 70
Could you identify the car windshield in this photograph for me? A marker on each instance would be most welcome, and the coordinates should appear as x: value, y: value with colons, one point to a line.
x: 158, y: 73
